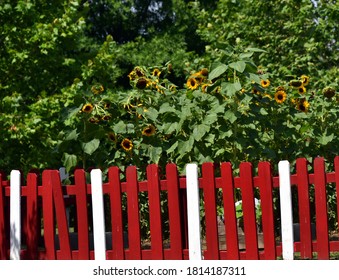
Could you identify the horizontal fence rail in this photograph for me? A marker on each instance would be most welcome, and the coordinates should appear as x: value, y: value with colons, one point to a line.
x: 211, y: 213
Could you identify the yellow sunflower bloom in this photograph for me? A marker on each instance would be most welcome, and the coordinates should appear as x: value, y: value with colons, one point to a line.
x: 112, y: 137
x: 149, y: 130
x: 301, y: 90
x: 156, y: 72
x: 127, y: 145
x: 87, y: 108
x: 303, y: 106
x: 280, y: 96
x: 265, y: 83
x: 192, y: 83
x: 305, y: 80
x: 96, y: 89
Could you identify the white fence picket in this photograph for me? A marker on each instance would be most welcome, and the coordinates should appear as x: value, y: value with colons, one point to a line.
x: 15, y: 215
x: 286, y: 210
x: 193, y: 212
x: 98, y: 215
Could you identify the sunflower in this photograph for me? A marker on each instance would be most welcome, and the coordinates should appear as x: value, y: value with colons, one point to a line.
x: 112, y: 137
x: 255, y: 91
x: 280, y: 96
x: 204, y: 72
x: 265, y: 83
x: 96, y: 89
x: 142, y: 83
x: 305, y: 80
x: 149, y: 130
x: 87, y: 108
x: 301, y: 90
x: 328, y: 92
x: 280, y: 88
x: 192, y: 83
x: 303, y: 106
x: 296, y: 83
x: 127, y: 145
x: 106, y: 118
x: 156, y: 72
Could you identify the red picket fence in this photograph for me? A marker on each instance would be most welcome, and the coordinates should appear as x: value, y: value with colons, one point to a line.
x: 45, y: 200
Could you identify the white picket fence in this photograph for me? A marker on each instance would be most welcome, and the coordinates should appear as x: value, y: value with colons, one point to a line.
x: 194, y: 238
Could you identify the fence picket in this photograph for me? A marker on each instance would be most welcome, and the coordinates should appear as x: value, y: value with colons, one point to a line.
x: 321, y: 209
x: 286, y: 210
x: 60, y: 212
x: 174, y: 212
x: 248, y: 207
x: 82, y: 215
x: 15, y: 215
x: 32, y: 216
x: 116, y: 213
x: 336, y: 169
x: 266, y: 197
x: 133, y: 216
x: 3, y: 234
x: 231, y: 231
x: 193, y: 204
x: 99, y: 234
x: 208, y: 186
x: 155, y: 211
x: 48, y: 216
x: 304, y: 209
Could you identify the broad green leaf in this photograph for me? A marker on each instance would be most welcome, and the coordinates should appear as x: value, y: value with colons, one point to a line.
x: 172, y: 148
x: 210, y: 119
x: 120, y: 127
x: 165, y: 108
x: 217, y: 72
x: 155, y: 154
x: 238, y: 66
x: 255, y: 50
x: 199, y: 131
x: 91, y: 146
x: 325, y: 139
x: 246, y: 55
x: 255, y: 78
x: 230, y: 116
x: 73, y: 135
x: 69, y: 161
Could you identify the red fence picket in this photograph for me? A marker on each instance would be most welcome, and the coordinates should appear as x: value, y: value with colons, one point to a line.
x: 51, y: 239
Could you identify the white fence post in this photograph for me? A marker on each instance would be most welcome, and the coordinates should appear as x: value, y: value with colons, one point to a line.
x: 15, y: 215
x: 286, y: 210
x: 193, y: 212
x: 98, y: 215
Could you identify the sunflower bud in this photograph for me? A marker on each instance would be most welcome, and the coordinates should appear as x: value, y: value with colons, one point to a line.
x: 328, y: 92
x: 296, y: 83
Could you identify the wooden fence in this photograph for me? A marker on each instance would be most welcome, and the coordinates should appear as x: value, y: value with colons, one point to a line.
x: 40, y: 218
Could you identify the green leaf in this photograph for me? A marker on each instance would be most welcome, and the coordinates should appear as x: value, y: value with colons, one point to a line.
x: 199, y: 131
x: 91, y: 146
x: 165, y: 108
x: 217, y: 72
x: 172, y: 148
x: 152, y: 114
x: 255, y: 78
x: 69, y: 161
x: 238, y: 66
x: 255, y: 50
x: 230, y: 116
x: 325, y: 139
x: 120, y: 127
x: 73, y: 135
x: 155, y: 154
x: 246, y: 55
